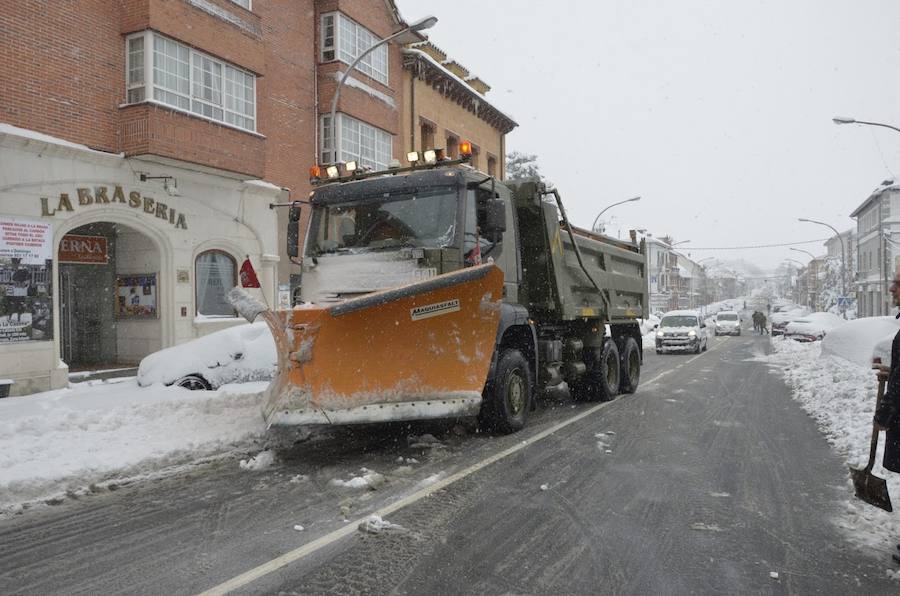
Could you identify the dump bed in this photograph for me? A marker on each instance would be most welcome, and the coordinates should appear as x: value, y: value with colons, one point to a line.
x: 556, y: 286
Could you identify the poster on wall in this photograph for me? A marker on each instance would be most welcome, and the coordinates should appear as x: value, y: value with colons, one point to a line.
x: 136, y: 296
x: 26, y: 274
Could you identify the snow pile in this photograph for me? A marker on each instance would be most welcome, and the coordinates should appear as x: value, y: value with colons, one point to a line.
x: 369, y: 479
x: 840, y: 395
x: 856, y: 340
x: 260, y: 461
x: 68, y: 440
x: 374, y: 524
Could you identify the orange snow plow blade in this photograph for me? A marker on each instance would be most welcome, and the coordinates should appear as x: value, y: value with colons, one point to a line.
x: 413, y: 352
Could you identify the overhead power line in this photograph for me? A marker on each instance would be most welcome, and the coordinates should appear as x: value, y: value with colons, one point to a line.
x: 690, y: 248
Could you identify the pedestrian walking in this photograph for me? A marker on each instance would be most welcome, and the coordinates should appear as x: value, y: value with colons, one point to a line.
x: 756, y: 314
x: 887, y: 415
x: 763, y: 329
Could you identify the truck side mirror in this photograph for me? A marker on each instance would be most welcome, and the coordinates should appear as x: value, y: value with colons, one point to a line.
x: 293, y: 231
x: 495, y: 219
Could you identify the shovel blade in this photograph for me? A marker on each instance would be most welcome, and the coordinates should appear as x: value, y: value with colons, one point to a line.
x: 871, y: 489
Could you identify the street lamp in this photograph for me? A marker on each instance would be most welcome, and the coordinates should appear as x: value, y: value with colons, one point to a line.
x: 806, y: 252
x: 842, y: 120
x: 843, y: 253
x: 596, y: 219
x: 424, y: 23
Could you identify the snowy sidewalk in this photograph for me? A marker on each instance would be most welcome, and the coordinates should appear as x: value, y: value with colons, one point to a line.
x: 840, y: 396
x: 98, y: 433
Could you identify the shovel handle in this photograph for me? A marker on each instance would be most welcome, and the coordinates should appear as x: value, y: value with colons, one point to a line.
x: 873, y: 447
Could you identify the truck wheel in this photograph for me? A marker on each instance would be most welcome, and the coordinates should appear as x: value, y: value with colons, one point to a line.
x: 508, y: 399
x: 601, y: 381
x: 630, y: 375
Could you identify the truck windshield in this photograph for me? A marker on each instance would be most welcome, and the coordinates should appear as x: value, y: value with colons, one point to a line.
x: 678, y: 321
x: 423, y: 218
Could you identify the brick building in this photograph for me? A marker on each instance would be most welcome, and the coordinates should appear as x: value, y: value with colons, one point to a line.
x: 138, y: 158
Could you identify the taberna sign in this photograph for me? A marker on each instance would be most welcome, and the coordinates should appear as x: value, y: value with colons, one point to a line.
x: 101, y: 196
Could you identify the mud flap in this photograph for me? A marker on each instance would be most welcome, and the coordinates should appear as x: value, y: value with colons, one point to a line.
x: 413, y: 352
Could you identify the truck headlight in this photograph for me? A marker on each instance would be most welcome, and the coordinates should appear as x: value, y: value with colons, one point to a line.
x: 692, y: 333
x: 659, y: 334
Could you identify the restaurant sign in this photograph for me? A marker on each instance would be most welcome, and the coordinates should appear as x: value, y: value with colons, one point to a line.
x: 103, y: 196
x: 86, y: 250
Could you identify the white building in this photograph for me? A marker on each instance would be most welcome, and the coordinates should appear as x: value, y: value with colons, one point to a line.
x: 101, y: 265
x: 877, y: 235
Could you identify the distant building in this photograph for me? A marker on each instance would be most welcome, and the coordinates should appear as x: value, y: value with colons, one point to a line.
x: 877, y: 231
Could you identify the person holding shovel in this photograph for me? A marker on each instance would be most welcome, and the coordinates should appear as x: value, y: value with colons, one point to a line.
x: 887, y: 413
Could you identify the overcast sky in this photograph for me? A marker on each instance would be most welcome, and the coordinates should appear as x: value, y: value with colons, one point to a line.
x: 718, y: 113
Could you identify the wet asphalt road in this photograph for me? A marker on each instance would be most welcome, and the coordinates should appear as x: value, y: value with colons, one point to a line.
x: 706, y: 481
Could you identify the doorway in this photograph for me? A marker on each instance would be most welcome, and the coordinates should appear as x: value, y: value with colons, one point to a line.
x: 97, y: 333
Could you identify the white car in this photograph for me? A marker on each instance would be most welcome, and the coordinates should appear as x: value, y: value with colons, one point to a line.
x: 812, y: 327
x: 681, y: 330
x: 728, y: 322
x: 235, y: 355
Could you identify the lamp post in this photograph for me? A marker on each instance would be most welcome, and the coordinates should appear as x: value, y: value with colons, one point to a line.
x: 424, y: 23
x: 596, y: 219
x: 842, y: 120
x: 843, y: 256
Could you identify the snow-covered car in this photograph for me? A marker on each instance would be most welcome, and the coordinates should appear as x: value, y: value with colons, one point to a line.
x: 238, y: 354
x: 812, y: 327
x: 862, y: 339
x: 681, y: 330
x: 728, y: 322
x: 781, y: 318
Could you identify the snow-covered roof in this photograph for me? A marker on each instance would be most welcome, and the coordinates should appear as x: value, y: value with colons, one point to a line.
x: 493, y: 115
x: 886, y: 185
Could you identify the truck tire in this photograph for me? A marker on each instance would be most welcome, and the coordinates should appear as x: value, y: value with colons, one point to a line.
x: 508, y: 399
x: 630, y: 375
x: 601, y: 381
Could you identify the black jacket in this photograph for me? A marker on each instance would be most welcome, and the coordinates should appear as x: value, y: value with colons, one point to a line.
x: 887, y: 413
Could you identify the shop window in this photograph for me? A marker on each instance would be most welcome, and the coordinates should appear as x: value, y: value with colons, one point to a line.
x: 216, y: 275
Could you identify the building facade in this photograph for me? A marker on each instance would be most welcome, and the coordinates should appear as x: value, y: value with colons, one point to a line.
x: 877, y: 233
x: 139, y: 160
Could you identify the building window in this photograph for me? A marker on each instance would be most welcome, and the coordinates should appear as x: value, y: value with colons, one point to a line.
x: 344, y: 39
x: 452, y: 146
x: 216, y: 275
x: 476, y: 152
x: 243, y: 3
x: 492, y: 165
x: 189, y: 80
x: 427, y: 135
x: 357, y: 141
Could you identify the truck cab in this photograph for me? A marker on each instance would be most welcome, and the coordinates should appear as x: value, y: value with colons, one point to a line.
x: 379, y: 233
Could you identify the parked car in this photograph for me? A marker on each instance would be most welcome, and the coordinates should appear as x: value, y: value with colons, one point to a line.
x: 727, y: 322
x: 812, y: 327
x: 681, y: 330
x: 235, y: 355
x: 781, y: 318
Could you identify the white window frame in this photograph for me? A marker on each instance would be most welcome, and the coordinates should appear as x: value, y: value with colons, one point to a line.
x: 380, y: 160
x: 194, y: 57
x: 367, y: 65
x: 248, y: 4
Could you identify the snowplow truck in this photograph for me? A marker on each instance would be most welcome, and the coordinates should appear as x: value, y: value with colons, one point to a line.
x: 440, y: 292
